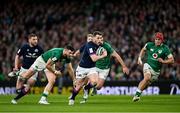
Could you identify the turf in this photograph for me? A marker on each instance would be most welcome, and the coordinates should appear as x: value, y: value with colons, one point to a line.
x: 100, y: 104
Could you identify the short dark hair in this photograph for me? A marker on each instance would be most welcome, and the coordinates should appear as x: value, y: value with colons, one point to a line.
x: 69, y: 47
x: 97, y: 33
x: 32, y: 35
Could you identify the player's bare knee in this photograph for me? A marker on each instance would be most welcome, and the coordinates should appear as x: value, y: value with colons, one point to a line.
x: 147, y: 79
x: 51, y: 81
x: 78, y: 87
x: 94, y: 83
x: 98, y: 87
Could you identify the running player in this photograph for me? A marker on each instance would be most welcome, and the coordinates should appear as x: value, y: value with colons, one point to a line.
x: 86, y: 68
x: 103, y: 68
x: 29, y: 52
x: 47, y: 62
x: 157, y: 54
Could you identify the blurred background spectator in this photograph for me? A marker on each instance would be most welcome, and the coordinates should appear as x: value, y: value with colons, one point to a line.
x: 127, y: 25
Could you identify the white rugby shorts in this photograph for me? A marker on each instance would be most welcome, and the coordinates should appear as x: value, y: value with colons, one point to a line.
x: 84, y: 72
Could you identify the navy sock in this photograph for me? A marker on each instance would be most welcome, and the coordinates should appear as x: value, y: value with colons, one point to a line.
x: 21, y: 94
x: 89, y: 86
x: 74, y: 93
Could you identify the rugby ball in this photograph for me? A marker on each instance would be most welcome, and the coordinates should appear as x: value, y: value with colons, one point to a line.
x: 99, y: 51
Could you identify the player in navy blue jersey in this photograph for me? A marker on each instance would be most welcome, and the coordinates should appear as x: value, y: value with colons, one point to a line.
x: 86, y: 68
x: 79, y: 51
x: 29, y: 52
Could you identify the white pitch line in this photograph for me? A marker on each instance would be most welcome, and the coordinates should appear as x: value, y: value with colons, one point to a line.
x: 89, y: 112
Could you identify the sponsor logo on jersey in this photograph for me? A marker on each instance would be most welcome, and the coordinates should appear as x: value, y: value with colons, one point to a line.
x: 54, y: 59
x: 90, y: 50
x: 155, y: 55
x: 31, y: 55
x: 36, y: 50
x: 160, y: 51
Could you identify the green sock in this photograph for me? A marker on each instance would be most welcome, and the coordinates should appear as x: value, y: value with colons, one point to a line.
x: 45, y: 95
x: 138, y: 93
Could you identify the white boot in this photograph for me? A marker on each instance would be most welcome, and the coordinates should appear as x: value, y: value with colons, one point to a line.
x: 136, y: 98
x: 44, y: 101
x: 13, y: 101
x: 71, y: 102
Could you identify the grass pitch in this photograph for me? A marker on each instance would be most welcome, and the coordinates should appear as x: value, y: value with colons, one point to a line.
x: 98, y: 104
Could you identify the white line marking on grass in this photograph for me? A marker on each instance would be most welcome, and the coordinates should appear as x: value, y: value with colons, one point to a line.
x: 90, y: 112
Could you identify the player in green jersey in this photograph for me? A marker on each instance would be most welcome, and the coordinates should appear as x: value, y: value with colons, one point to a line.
x: 47, y: 62
x: 157, y: 54
x: 103, y: 67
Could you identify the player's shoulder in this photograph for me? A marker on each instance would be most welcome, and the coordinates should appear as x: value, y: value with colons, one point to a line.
x: 91, y: 44
x: 150, y: 43
x: 26, y: 45
x: 106, y: 43
x: 39, y: 47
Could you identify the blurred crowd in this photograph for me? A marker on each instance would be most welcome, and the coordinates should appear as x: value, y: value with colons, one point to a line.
x: 126, y: 24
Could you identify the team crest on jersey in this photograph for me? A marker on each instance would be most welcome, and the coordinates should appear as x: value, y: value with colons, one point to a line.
x: 54, y: 59
x: 155, y: 55
x: 160, y: 51
x: 27, y: 49
x: 36, y: 50
x: 151, y: 49
x: 90, y: 50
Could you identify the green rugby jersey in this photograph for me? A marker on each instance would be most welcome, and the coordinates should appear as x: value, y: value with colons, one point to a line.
x: 104, y: 63
x: 154, y: 52
x: 56, y: 54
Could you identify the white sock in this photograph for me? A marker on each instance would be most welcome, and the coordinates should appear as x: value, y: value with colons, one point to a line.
x: 138, y: 90
x: 44, y: 96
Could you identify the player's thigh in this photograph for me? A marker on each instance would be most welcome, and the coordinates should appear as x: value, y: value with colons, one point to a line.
x: 39, y: 64
x: 103, y: 73
x: 100, y: 83
x: 79, y: 83
x: 31, y: 81
x: 149, y: 73
x: 50, y: 76
x: 29, y: 73
x: 81, y: 73
x: 19, y: 84
x: 93, y: 77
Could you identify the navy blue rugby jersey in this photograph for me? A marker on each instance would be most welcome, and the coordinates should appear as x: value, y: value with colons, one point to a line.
x: 29, y: 54
x: 87, y: 50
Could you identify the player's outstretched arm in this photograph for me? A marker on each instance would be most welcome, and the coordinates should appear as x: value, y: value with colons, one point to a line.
x: 71, y: 71
x: 16, y: 63
x: 49, y: 66
x: 118, y: 57
x: 77, y: 53
x: 141, y: 54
